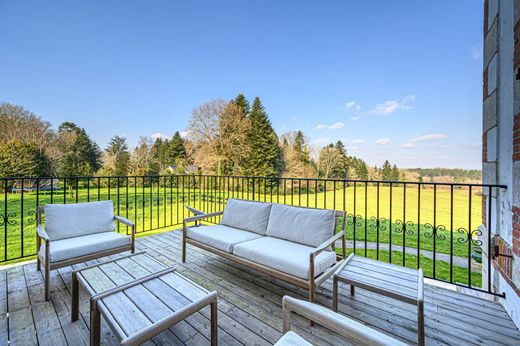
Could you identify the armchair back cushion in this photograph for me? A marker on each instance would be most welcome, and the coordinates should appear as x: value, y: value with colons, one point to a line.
x: 301, y: 225
x: 246, y: 215
x: 63, y: 221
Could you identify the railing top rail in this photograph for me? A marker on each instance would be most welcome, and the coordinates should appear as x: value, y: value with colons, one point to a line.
x: 393, y: 182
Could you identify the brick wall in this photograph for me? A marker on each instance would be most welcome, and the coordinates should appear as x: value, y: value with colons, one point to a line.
x: 516, y: 230
x: 516, y: 138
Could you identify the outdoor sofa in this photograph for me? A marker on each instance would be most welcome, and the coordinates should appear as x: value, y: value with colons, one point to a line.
x: 75, y: 233
x: 294, y: 244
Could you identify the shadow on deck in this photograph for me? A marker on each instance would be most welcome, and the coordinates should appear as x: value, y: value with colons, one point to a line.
x: 249, y: 308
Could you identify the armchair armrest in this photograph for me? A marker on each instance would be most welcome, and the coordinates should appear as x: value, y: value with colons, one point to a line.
x: 124, y: 220
x: 42, y: 233
x: 323, y: 246
x: 201, y: 217
x: 359, y: 333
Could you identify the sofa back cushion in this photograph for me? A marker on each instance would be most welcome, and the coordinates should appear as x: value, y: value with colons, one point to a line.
x: 64, y: 221
x: 301, y: 225
x: 246, y: 215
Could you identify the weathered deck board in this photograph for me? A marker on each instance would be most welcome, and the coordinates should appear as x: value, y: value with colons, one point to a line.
x: 249, y: 307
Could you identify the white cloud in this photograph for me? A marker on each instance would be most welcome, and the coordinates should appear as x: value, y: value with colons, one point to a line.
x: 391, y: 106
x: 357, y: 141
x: 157, y: 135
x: 355, y: 118
x: 383, y: 141
x: 352, y: 149
x: 336, y: 126
x: 476, y: 52
x: 430, y: 137
x: 321, y: 141
x: 409, y: 145
x: 352, y: 105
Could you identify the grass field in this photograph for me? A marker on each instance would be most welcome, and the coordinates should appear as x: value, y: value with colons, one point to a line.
x: 156, y: 207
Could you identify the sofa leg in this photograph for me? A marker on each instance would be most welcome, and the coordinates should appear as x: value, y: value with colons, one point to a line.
x: 38, y: 264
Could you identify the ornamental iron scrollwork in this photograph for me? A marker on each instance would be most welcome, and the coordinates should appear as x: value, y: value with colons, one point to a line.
x: 32, y: 217
x: 7, y: 219
x: 467, y: 236
x: 432, y: 232
x: 382, y: 224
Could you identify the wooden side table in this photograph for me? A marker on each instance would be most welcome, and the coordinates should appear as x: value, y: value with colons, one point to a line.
x: 139, y: 298
x: 404, y: 284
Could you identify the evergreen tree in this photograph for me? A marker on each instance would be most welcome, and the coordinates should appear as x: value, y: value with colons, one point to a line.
x: 342, y: 169
x: 395, y: 173
x: 362, y: 170
x: 243, y: 103
x: 300, y: 147
x: 118, y: 149
x: 80, y: 155
x: 386, y: 171
x: 264, y: 157
x: 177, y: 149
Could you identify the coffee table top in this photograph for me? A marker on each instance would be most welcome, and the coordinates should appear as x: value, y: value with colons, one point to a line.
x: 136, y: 292
x: 395, y: 281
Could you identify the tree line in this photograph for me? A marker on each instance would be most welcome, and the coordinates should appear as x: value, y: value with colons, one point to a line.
x: 232, y: 137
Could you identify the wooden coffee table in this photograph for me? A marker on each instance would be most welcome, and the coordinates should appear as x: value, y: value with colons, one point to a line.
x: 391, y: 280
x: 139, y: 298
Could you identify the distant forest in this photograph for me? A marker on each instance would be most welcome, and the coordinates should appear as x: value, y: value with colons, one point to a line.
x: 233, y: 137
x: 457, y: 174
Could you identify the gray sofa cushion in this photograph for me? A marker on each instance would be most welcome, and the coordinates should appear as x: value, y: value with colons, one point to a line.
x: 65, y: 249
x: 302, y: 225
x: 219, y: 236
x: 246, y: 215
x: 64, y: 221
x: 285, y: 256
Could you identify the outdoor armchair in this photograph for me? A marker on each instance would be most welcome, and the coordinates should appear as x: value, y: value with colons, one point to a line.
x: 75, y: 233
x: 357, y: 333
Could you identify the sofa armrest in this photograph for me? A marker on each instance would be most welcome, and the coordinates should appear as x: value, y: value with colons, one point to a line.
x: 327, y: 243
x: 359, y: 333
x: 42, y: 233
x: 201, y: 217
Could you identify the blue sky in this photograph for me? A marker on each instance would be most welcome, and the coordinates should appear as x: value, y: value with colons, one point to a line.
x: 397, y: 80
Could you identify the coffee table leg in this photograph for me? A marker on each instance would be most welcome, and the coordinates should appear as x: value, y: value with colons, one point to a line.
x: 335, y: 293
x: 95, y: 325
x: 420, y: 322
x: 75, y: 298
x: 352, y: 290
x: 214, y: 323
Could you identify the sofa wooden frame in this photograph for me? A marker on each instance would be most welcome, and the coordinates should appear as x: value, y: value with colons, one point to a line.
x: 309, y: 284
x: 41, y: 234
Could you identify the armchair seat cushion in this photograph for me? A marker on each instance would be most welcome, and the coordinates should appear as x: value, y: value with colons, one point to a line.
x: 219, y: 236
x: 285, y: 256
x: 65, y: 249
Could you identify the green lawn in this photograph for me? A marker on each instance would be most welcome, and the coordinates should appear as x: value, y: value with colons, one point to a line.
x: 162, y: 207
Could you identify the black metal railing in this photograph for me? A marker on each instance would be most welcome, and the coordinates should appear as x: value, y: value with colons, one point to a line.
x: 428, y: 225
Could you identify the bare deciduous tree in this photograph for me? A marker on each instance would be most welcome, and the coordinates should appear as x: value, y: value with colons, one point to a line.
x: 20, y: 124
x: 203, y: 124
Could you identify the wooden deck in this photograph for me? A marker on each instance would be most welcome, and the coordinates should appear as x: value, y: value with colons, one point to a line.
x: 249, y: 308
